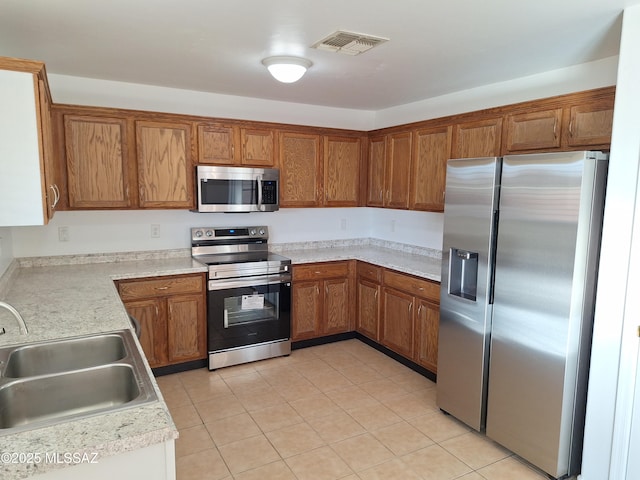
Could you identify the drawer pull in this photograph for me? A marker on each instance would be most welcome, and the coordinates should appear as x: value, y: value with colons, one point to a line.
x: 162, y: 288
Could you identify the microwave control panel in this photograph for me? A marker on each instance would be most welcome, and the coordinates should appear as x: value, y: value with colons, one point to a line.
x: 269, y: 192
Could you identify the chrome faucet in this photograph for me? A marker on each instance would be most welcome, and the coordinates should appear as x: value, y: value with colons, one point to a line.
x: 23, y: 326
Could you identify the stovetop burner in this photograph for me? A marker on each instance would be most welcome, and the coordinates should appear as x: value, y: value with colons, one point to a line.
x: 233, y: 252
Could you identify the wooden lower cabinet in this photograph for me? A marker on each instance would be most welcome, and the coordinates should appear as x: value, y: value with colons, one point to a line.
x: 427, y: 324
x: 322, y: 302
x: 368, y: 318
x: 172, y: 316
x: 397, y: 328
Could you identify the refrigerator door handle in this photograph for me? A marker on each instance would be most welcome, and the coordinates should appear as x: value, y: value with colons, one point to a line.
x: 492, y: 255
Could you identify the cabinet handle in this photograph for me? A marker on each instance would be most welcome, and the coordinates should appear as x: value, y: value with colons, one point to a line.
x: 381, y: 195
x: 375, y: 294
x: 571, y: 128
x: 157, y: 312
x: 162, y: 288
x: 56, y: 196
x: 555, y: 128
x: 410, y: 307
x: 317, y: 290
x: 419, y: 310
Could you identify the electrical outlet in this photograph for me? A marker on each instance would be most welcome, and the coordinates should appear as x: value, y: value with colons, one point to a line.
x: 63, y: 234
x: 343, y: 224
x: 155, y: 231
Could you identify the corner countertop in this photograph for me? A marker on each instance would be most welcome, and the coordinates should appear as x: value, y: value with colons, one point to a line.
x: 75, y: 295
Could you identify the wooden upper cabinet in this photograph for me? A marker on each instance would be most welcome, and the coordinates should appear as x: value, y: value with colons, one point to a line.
x: 589, y: 124
x: 532, y: 131
x: 257, y: 147
x: 376, y: 171
x: 480, y: 138
x: 216, y: 144
x: 165, y: 173
x: 398, y: 170
x: 341, y: 171
x: 97, y: 162
x: 431, y: 150
x: 300, y: 170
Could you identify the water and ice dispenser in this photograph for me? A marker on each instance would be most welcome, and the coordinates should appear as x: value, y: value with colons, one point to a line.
x: 463, y: 273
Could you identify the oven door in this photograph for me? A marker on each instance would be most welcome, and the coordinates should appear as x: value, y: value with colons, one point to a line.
x: 248, y: 311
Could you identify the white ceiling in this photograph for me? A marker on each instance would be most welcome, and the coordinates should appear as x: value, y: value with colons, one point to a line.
x: 436, y: 46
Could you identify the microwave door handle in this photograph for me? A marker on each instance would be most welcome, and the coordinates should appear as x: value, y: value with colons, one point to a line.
x: 259, y: 180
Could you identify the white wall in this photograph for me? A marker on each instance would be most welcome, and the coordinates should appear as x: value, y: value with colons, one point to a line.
x: 6, y: 249
x: 124, y: 231
x: 105, y: 93
x: 615, y: 341
x: 586, y: 76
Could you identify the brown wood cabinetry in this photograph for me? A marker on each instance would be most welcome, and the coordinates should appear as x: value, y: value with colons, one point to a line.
x: 410, y: 318
x: 171, y: 312
x: 398, y: 170
x: 369, y: 297
x: 480, y: 138
x: 165, y: 173
x: 217, y: 144
x: 431, y: 150
x: 376, y: 171
x: 589, y: 125
x: 300, y: 170
x: 533, y: 131
x: 227, y: 144
x: 322, y: 302
x: 341, y: 176
x: 97, y: 161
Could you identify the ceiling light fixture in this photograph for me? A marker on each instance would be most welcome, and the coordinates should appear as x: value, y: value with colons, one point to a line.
x: 287, y: 69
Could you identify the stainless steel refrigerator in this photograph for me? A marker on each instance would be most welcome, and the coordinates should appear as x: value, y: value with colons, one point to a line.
x: 519, y: 265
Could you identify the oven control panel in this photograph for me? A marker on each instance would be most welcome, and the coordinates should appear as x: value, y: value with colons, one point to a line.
x: 227, y: 233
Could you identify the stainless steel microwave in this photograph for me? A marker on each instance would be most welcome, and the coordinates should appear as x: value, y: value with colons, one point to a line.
x: 237, y: 189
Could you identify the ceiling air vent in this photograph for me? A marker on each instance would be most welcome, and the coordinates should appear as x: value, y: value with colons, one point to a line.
x: 349, y: 43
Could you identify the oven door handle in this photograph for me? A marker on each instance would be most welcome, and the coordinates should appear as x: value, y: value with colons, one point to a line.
x: 249, y: 281
x: 259, y: 180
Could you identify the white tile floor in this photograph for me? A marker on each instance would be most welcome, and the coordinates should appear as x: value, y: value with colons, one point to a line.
x: 335, y: 411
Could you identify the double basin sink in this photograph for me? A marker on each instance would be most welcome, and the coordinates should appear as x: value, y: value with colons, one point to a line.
x: 51, y: 382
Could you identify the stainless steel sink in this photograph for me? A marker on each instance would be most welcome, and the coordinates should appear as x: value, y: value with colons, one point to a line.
x: 64, y: 355
x: 51, y: 382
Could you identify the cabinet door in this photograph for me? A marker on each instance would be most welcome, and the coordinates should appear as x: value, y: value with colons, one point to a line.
x: 186, y: 328
x: 165, y: 173
x: 533, y: 131
x: 257, y: 147
x: 216, y: 144
x: 376, y: 171
x: 306, y: 310
x: 397, y: 322
x: 477, y: 139
x: 336, y: 306
x: 431, y: 150
x: 97, y: 162
x: 51, y: 195
x: 426, y: 334
x: 153, y: 328
x: 341, y: 171
x: 368, y: 317
x: 300, y: 170
x: 398, y: 169
x: 590, y: 124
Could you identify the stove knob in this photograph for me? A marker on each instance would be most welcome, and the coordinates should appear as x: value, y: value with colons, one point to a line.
x: 209, y: 233
x: 261, y: 231
x: 198, y: 233
x: 252, y: 232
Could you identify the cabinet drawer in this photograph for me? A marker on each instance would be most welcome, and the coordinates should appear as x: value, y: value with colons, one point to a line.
x: 371, y: 272
x: 315, y: 271
x: 161, y: 286
x: 414, y: 286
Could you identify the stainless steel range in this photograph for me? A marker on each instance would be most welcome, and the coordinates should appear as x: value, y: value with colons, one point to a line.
x: 248, y: 295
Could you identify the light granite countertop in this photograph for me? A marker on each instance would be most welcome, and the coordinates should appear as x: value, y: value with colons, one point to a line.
x: 75, y: 295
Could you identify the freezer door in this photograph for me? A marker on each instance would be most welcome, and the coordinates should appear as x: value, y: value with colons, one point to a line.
x: 546, y: 263
x: 465, y: 312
